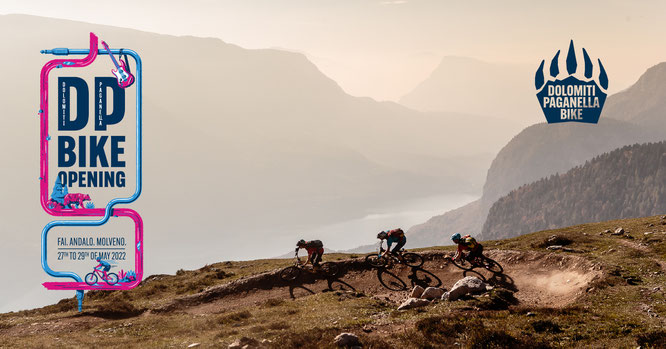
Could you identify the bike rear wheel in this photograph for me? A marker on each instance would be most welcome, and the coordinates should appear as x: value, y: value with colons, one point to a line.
x: 91, y: 279
x: 290, y: 274
x: 330, y: 269
x: 412, y: 259
x: 492, y: 266
x: 375, y: 261
x: 112, y: 278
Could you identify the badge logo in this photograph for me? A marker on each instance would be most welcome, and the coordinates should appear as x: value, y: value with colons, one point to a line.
x: 575, y: 96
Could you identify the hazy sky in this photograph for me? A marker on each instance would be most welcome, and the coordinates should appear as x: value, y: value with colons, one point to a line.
x: 384, y: 48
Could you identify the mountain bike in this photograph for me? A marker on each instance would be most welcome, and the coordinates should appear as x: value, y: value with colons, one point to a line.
x: 381, y: 260
x: 110, y: 278
x: 479, y: 262
x: 291, y: 273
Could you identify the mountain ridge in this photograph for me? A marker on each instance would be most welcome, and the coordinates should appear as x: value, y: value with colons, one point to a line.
x: 464, y: 84
x: 624, y: 183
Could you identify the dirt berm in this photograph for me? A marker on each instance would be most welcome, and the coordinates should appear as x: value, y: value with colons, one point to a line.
x: 545, y: 279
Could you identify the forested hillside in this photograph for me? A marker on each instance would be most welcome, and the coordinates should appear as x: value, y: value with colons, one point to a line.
x: 537, y: 152
x: 627, y: 182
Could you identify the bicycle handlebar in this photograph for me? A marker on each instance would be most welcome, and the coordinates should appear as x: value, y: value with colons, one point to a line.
x: 298, y: 259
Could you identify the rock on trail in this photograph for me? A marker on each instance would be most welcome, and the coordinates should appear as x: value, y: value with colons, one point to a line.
x: 465, y: 286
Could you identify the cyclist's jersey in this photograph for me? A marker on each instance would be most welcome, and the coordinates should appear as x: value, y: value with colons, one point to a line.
x: 314, y: 246
x: 104, y: 264
x: 312, y: 250
x: 394, y: 236
x: 468, y: 243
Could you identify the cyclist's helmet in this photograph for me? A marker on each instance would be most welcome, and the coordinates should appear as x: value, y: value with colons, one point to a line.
x: 98, y: 259
x: 456, y: 237
x: 300, y: 243
x: 382, y: 235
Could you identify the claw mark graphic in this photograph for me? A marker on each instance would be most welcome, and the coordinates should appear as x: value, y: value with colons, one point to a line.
x: 554, y: 65
x: 572, y: 67
x: 538, y: 78
x: 603, y: 78
x: 571, y: 59
x: 588, y: 64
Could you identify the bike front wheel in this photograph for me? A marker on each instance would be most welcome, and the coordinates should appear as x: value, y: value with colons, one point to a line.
x: 91, y: 279
x: 290, y: 274
x: 375, y: 261
x: 413, y: 259
x: 492, y: 266
x: 330, y: 269
x: 111, y: 279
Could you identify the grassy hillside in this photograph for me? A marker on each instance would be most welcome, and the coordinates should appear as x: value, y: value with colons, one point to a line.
x: 598, y: 290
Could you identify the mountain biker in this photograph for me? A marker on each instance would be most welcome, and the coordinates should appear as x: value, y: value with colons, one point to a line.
x: 315, y: 250
x: 393, y: 236
x: 467, y: 243
x: 103, y: 265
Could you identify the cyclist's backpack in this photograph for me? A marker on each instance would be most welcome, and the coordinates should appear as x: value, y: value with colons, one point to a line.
x: 315, y: 244
x: 398, y: 233
x: 470, y: 241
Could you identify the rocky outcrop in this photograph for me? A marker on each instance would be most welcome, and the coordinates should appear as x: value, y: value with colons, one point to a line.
x: 431, y: 293
x: 347, y: 340
x: 465, y: 286
x: 411, y: 303
x: 417, y: 291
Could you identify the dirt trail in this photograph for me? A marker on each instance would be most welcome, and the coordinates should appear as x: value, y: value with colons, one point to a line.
x: 544, y: 279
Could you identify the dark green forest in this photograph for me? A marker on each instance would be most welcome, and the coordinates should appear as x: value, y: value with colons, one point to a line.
x: 625, y: 183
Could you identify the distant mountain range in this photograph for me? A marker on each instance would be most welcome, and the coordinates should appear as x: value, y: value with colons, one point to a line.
x: 258, y: 139
x: 545, y: 149
x: 643, y: 103
x: 468, y: 85
x: 626, y: 183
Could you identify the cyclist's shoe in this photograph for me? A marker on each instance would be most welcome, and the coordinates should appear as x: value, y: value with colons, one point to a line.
x: 316, y: 268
